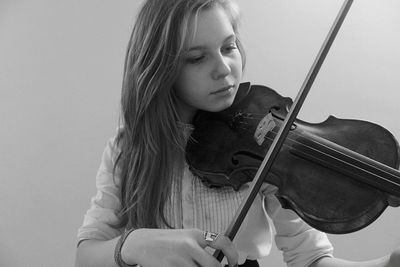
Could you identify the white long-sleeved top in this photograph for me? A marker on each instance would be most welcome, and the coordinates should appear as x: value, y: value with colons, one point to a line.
x: 194, y: 205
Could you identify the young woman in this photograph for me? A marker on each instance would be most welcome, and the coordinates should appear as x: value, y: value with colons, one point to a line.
x: 150, y: 210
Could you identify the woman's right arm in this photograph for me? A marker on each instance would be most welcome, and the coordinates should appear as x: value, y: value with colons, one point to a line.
x: 96, y: 253
x: 97, y: 236
x: 146, y: 247
x: 157, y: 247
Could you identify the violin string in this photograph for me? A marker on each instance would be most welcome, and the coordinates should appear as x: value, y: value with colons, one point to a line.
x: 250, y: 117
x: 296, y: 142
x: 339, y: 159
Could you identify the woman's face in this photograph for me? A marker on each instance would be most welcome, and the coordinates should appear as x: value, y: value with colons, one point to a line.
x: 212, y: 65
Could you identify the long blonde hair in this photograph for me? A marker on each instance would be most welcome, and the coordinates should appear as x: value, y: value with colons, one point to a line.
x: 151, y: 142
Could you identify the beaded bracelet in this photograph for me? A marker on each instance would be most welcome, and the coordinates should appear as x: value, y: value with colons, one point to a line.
x: 117, y: 252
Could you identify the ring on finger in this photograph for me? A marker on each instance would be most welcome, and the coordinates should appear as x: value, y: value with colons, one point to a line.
x: 210, y: 236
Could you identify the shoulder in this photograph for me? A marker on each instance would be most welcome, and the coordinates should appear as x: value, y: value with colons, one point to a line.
x: 112, y: 150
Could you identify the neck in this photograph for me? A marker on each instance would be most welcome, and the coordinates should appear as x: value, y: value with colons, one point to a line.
x: 186, y: 114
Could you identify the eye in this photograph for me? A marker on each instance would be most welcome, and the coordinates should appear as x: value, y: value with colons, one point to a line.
x: 195, y: 59
x: 229, y: 47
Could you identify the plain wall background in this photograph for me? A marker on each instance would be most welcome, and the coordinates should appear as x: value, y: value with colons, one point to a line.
x: 60, y: 76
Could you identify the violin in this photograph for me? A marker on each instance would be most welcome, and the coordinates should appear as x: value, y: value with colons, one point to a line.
x: 336, y: 175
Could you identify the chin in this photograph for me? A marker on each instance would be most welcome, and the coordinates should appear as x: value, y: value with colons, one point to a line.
x: 222, y: 106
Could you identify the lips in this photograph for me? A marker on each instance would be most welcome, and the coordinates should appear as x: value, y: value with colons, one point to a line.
x: 225, y: 88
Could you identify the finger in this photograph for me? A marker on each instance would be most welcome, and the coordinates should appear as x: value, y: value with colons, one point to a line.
x: 223, y: 243
x: 204, y: 259
x: 195, y: 249
x: 394, y: 201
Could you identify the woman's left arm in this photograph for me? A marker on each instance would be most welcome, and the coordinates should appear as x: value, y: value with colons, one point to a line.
x: 392, y: 260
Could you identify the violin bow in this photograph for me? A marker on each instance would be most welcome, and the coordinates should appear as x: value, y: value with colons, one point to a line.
x: 276, y: 145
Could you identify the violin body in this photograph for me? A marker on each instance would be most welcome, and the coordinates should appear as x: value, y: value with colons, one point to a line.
x: 336, y: 175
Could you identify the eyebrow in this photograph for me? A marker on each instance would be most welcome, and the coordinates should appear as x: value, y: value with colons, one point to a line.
x: 202, y: 47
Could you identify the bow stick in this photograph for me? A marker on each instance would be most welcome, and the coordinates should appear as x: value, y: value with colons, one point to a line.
x: 284, y: 130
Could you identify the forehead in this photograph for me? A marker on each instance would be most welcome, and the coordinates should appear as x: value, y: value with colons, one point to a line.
x: 210, y: 26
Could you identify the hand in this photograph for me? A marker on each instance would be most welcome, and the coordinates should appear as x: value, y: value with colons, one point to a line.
x: 175, y: 248
x: 394, y: 259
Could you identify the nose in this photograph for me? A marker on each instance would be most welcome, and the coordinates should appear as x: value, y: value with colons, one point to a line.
x: 221, y: 68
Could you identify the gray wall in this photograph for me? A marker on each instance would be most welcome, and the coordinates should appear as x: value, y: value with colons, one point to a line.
x: 60, y: 75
